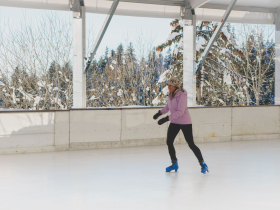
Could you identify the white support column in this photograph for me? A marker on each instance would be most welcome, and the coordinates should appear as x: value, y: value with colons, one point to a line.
x: 188, y: 67
x: 79, y: 53
x: 194, y: 59
x: 277, y: 59
x: 189, y: 80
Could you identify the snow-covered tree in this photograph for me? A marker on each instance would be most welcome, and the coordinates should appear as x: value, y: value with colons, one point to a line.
x: 32, y: 60
x: 214, y: 80
x: 125, y: 80
x: 258, y: 65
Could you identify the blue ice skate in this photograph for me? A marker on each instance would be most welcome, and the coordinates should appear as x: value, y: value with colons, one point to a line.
x: 204, y: 167
x: 174, y: 166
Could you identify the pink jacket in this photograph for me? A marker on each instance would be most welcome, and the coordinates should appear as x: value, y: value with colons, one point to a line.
x: 178, y: 108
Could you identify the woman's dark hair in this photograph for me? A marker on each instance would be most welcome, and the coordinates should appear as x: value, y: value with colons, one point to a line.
x: 174, y: 92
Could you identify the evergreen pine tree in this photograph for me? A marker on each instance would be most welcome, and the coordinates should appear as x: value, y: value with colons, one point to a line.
x: 119, y: 54
x: 223, y: 56
x: 168, y: 60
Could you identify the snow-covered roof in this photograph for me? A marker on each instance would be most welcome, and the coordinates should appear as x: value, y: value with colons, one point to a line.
x: 245, y: 11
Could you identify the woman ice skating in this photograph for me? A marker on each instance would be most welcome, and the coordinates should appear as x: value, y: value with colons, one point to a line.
x: 180, y: 120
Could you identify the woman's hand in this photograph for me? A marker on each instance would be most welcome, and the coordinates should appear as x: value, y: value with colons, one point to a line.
x: 163, y: 120
x: 157, y: 115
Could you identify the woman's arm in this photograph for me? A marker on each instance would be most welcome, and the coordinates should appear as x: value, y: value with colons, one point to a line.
x: 165, y: 109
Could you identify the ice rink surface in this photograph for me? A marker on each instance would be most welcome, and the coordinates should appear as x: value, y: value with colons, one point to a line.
x: 243, y: 175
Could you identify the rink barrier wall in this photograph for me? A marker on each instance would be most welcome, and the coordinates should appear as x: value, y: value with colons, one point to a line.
x: 46, y: 131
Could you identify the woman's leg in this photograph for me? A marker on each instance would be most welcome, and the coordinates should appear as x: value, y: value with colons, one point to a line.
x: 172, y: 132
x: 187, y: 131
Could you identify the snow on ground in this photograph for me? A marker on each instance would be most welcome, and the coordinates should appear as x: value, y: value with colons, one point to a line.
x: 120, y: 107
x: 134, y: 106
x: 12, y: 109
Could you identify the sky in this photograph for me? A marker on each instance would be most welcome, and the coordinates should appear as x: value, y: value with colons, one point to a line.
x: 144, y: 33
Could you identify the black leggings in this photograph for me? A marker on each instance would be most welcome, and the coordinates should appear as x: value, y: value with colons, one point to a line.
x: 173, y: 130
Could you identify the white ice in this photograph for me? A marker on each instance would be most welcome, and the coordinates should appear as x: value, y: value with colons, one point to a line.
x: 244, y: 175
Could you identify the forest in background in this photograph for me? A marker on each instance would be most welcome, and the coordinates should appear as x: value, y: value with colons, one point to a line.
x: 36, y: 68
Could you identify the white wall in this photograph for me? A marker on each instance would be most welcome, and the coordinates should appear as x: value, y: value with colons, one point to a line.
x: 39, y: 131
x: 22, y: 132
x: 138, y: 124
x: 250, y: 123
x: 62, y: 130
x: 90, y: 126
x: 211, y: 124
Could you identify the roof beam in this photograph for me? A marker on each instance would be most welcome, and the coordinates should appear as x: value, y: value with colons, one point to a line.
x: 194, y: 3
x: 197, y: 3
x: 159, y: 9
x: 239, y: 8
x: 75, y: 6
x: 157, y: 2
x: 203, y: 4
x: 101, y: 33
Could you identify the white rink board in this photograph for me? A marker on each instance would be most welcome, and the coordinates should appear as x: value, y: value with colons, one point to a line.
x: 251, y: 123
x: 139, y: 124
x: 62, y: 130
x: 211, y: 125
x: 95, y: 125
x: 26, y: 129
x: 22, y: 132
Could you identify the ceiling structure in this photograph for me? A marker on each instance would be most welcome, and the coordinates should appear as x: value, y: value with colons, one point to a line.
x: 245, y: 11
